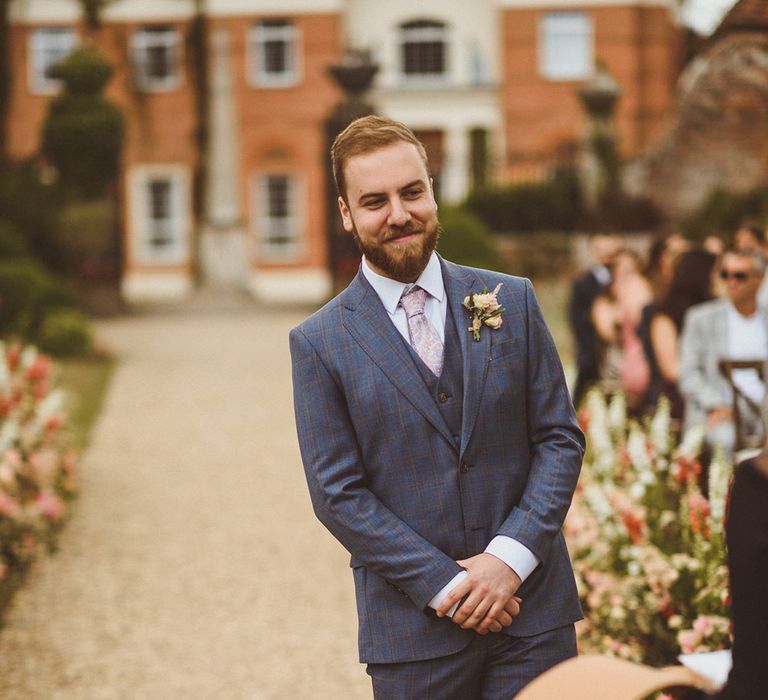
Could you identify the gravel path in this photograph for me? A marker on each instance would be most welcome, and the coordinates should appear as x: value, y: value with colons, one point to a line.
x: 193, y: 566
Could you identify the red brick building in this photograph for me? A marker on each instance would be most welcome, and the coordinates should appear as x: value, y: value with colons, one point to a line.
x: 497, y: 84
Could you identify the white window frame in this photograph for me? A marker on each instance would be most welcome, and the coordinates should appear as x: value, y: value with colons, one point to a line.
x: 438, y: 32
x: 142, y: 229
x: 46, y: 47
x: 566, y: 45
x: 151, y: 36
x: 259, y: 35
x: 262, y: 223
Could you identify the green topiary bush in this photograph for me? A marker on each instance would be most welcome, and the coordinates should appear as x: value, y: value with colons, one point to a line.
x: 64, y: 332
x: 27, y: 294
x: 723, y: 211
x: 83, y: 133
x: 466, y: 240
x: 554, y: 204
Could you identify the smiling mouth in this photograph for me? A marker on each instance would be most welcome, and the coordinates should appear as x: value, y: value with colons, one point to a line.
x: 403, y: 237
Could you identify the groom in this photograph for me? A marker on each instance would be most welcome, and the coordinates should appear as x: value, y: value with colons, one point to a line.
x: 445, y: 464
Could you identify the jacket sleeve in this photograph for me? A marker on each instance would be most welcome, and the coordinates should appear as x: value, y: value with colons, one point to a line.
x: 336, y: 478
x: 556, y: 443
x: 694, y: 380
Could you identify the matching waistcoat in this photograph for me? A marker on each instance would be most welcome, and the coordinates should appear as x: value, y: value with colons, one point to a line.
x: 447, y: 389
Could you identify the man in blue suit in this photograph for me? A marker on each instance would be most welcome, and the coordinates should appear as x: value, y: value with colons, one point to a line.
x: 443, y: 460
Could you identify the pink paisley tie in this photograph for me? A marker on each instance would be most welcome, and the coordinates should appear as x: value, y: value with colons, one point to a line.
x: 424, y: 338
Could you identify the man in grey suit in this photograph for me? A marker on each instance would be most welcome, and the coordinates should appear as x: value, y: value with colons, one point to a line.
x: 443, y: 457
x: 734, y: 328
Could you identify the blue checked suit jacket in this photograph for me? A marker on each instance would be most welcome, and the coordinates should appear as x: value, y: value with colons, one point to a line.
x: 385, y: 475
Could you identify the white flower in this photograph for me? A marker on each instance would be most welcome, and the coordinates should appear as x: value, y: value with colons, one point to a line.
x: 660, y: 427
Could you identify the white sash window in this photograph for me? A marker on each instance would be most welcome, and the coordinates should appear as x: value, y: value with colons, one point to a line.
x: 160, y: 214
x: 157, y: 58
x: 273, y: 54
x: 566, y: 46
x: 278, y: 222
x: 47, y: 46
x: 423, y: 49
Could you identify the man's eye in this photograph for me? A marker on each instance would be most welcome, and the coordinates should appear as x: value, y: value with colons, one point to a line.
x: 413, y: 194
x: 373, y: 203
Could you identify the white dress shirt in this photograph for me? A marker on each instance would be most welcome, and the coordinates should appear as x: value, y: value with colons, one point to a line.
x: 513, y: 553
x: 747, y: 340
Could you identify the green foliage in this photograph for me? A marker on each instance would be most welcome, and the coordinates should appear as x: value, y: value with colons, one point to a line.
x: 535, y: 206
x: 723, y: 211
x: 84, y: 236
x: 621, y: 212
x: 64, y: 332
x: 83, y: 72
x: 12, y: 243
x: 30, y: 206
x: 27, y: 294
x: 466, y: 240
x: 543, y: 255
x: 83, y: 133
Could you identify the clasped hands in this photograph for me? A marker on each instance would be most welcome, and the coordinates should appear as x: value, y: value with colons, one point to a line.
x: 487, y: 593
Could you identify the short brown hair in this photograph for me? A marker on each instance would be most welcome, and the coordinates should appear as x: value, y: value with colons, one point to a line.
x: 364, y: 135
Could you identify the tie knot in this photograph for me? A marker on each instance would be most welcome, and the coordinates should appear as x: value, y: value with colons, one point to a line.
x: 413, y: 301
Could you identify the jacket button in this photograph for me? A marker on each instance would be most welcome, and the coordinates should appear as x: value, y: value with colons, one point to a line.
x: 442, y: 396
x: 464, y: 468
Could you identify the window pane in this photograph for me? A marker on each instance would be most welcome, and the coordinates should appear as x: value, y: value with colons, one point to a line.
x: 160, y: 214
x: 48, y: 47
x: 275, y: 56
x: 423, y: 46
x: 278, y: 225
x: 273, y: 48
x: 157, y: 56
x: 566, y: 51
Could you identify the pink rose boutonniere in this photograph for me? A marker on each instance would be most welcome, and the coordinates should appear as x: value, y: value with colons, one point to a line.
x: 485, y: 310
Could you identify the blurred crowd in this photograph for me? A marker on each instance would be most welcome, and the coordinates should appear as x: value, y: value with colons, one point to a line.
x: 683, y: 320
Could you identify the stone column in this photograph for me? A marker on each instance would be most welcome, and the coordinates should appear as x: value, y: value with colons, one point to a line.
x: 223, y: 243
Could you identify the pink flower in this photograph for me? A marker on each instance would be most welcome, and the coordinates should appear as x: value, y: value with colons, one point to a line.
x: 688, y: 640
x: 54, y: 423
x: 50, y: 505
x: 703, y: 625
x: 8, y: 506
x: 39, y: 370
x: 14, y: 355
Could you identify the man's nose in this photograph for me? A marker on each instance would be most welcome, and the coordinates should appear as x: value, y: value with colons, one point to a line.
x: 398, y: 214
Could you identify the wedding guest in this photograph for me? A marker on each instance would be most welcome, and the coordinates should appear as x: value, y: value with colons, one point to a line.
x: 733, y: 328
x: 747, y: 539
x: 751, y: 236
x: 584, y: 291
x: 692, y: 283
x: 616, y: 314
x: 663, y: 251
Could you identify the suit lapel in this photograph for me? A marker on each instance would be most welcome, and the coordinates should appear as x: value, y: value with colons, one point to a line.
x: 459, y: 283
x: 369, y: 324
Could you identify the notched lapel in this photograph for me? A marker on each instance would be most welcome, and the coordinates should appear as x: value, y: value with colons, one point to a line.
x: 459, y: 283
x: 367, y: 321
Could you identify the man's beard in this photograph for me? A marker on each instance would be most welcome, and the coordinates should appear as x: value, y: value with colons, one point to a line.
x: 406, y: 262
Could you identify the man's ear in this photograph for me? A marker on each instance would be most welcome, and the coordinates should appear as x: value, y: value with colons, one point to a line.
x: 432, y: 189
x: 346, y: 217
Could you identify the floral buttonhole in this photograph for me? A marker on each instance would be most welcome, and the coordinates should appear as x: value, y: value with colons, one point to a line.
x: 485, y: 310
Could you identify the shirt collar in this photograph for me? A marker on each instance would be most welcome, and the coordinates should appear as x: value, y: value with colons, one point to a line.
x: 390, y: 291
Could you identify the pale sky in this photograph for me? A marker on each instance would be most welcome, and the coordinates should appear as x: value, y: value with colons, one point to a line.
x: 705, y: 15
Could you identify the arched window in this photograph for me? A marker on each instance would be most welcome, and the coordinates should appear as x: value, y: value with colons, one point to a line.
x: 423, y: 48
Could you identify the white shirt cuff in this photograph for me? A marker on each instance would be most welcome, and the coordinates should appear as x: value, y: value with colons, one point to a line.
x: 445, y: 590
x: 514, y: 554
